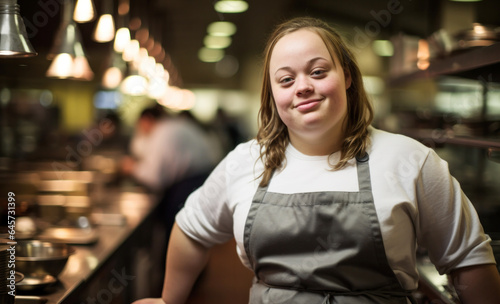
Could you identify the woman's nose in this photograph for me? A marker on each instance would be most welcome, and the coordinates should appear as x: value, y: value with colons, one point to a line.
x: 304, y: 86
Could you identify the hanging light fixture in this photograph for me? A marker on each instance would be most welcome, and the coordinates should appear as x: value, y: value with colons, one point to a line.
x: 105, y: 29
x: 69, y: 60
x: 122, y: 39
x: 221, y: 28
x: 113, y: 75
x: 131, y: 51
x: 84, y: 11
x: 230, y: 6
x: 13, y: 37
x: 134, y: 85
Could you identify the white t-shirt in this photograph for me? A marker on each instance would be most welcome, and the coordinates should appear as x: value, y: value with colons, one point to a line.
x: 416, y: 199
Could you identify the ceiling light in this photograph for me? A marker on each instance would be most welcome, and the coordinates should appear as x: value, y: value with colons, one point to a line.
x: 178, y: 99
x: 141, y: 56
x: 383, y: 48
x: 134, y: 85
x: 105, y: 29
x: 69, y: 57
x: 147, y: 67
x: 112, y: 78
x: 61, y: 66
x: 217, y: 42
x: 81, y: 69
x: 231, y: 6
x: 123, y: 7
x: 210, y: 55
x: 66, y: 66
x: 13, y: 37
x: 221, y: 28
x: 131, y: 50
x: 142, y: 35
x: 84, y: 11
x: 157, y: 87
x: 122, y: 39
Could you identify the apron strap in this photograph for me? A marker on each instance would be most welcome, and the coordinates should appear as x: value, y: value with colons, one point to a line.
x: 363, y: 169
x: 380, y: 293
x: 329, y: 294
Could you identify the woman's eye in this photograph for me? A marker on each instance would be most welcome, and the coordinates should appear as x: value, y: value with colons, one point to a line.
x: 318, y: 72
x: 286, y: 80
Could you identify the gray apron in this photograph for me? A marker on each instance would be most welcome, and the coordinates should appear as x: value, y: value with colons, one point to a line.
x: 319, y: 247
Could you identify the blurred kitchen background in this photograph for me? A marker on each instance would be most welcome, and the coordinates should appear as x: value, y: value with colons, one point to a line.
x: 432, y: 69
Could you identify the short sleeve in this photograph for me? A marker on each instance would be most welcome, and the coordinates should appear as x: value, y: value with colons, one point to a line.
x: 448, y: 225
x: 206, y: 216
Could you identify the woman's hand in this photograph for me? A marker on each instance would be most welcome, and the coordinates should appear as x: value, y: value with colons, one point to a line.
x: 149, y: 301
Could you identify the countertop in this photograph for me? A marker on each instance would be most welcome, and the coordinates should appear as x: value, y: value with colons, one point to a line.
x: 132, y: 206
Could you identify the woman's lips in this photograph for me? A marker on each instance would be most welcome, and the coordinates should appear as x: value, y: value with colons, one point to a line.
x: 307, y: 105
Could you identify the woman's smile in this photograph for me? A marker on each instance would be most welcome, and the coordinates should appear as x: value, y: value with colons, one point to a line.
x: 306, y: 106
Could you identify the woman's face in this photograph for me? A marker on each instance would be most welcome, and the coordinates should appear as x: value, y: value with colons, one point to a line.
x: 309, y: 88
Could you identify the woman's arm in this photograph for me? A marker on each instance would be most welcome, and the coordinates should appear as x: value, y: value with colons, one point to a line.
x: 477, y: 284
x: 185, y: 260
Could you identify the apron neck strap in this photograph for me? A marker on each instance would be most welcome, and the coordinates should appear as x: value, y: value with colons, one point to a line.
x: 363, y: 169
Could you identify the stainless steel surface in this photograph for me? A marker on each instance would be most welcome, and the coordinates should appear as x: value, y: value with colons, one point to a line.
x: 34, y: 257
x: 70, y: 235
x: 36, y: 283
x: 478, y: 35
x: 30, y: 300
x: 134, y: 206
x: 14, y: 40
x: 63, y: 186
x: 55, y: 208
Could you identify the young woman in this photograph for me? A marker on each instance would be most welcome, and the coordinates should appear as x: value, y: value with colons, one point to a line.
x: 325, y: 208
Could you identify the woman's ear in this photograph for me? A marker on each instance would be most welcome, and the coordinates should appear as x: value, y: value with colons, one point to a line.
x: 348, y: 80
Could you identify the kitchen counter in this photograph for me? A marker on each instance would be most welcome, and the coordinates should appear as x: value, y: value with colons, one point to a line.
x: 81, y: 279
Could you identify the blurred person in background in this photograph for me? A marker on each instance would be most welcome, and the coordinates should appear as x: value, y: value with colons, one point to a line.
x: 166, y: 149
x: 230, y: 130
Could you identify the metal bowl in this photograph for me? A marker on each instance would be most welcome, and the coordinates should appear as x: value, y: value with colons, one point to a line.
x: 36, y: 257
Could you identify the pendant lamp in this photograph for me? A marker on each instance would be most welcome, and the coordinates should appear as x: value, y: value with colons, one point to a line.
x: 13, y: 37
x: 105, y: 28
x: 69, y: 60
x: 84, y: 11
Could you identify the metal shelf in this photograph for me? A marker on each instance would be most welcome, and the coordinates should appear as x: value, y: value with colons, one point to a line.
x: 492, y: 144
x: 482, y: 63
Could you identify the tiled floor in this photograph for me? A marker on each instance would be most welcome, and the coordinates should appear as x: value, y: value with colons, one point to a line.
x: 224, y: 281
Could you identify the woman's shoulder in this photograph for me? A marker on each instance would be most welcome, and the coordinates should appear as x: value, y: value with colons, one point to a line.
x: 392, y: 146
x: 244, y: 160
x: 245, y: 150
x: 381, y: 139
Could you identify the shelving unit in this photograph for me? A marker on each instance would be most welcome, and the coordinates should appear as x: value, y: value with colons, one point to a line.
x: 482, y: 63
x: 424, y: 135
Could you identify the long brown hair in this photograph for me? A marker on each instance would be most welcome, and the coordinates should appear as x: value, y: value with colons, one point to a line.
x: 273, y: 134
